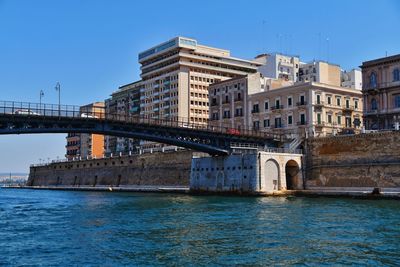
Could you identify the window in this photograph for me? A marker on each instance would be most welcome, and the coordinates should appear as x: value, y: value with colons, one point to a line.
x: 372, y: 80
x: 290, y: 120
x: 227, y: 114
x: 347, y: 103
x: 329, y: 116
x: 266, y: 123
x: 374, y: 104
x: 302, y: 100
x: 277, y: 103
x: 318, y: 99
x: 355, y: 104
x: 396, y: 75
x: 302, y: 119
x: 266, y: 105
x: 278, y: 123
x: 239, y: 112
x: 255, y: 108
x: 339, y: 119
x: 289, y: 101
x: 318, y: 118
x: 338, y: 101
x: 256, y: 125
x: 397, y: 101
x: 329, y: 100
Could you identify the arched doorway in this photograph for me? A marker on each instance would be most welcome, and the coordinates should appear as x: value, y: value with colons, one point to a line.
x: 292, y: 175
x: 271, y: 176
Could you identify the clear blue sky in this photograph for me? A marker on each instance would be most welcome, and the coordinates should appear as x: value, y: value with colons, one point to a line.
x: 91, y: 47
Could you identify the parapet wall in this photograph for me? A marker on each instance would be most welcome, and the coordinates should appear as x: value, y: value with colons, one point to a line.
x: 172, y: 169
x: 366, y: 160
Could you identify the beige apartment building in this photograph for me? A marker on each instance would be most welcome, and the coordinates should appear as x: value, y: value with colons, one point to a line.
x: 320, y: 72
x: 381, y: 92
x: 229, y: 99
x: 176, y: 76
x: 305, y: 109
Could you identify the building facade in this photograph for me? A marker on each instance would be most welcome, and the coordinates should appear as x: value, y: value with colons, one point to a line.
x: 176, y: 75
x: 352, y: 79
x: 381, y: 92
x: 229, y: 99
x: 320, y: 72
x: 86, y: 145
x: 279, y: 66
x: 123, y: 102
x: 304, y: 109
x: 307, y: 109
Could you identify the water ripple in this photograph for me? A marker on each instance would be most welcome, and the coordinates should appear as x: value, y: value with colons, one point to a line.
x: 105, y: 229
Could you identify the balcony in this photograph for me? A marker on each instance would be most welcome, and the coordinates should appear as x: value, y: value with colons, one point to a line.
x: 226, y: 102
x: 277, y: 107
x: 213, y: 104
x: 301, y: 104
x: 302, y: 123
x: 319, y: 124
x: 238, y: 114
x: 255, y: 111
x: 238, y: 99
x: 319, y: 104
x: 226, y: 117
x: 348, y: 108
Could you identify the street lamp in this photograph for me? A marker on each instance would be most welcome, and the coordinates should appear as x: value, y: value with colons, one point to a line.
x: 41, y: 95
x: 58, y: 88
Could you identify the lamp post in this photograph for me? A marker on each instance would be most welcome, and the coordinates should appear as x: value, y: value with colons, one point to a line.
x: 41, y: 95
x: 58, y: 88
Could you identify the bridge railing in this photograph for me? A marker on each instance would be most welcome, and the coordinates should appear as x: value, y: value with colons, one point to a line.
x: 101, y: 113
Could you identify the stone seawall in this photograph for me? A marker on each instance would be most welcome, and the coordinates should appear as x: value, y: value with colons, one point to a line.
x: 359, y: 161
x: 169, y: 169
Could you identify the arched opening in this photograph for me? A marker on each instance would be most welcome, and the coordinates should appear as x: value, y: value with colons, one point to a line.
x: 271, y: 175
x: 292, y: 175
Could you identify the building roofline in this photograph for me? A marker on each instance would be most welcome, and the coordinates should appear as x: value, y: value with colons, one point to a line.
x: 378, y: 61
x: 314, y: 84
x: 229, y: 80
x: 129, y: 84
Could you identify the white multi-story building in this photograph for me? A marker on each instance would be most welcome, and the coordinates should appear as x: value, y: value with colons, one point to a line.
x: 279, y: 66
x: 352, y: 79
x: 176, y: 75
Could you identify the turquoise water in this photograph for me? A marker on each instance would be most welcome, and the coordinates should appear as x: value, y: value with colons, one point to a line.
x: 110, y: 229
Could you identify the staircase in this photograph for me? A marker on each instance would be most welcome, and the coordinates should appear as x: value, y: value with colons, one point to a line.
x: 295, y: 143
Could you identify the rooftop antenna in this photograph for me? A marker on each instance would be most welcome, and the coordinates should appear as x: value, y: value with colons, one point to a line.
x: 263, y: 49
x: 319, y: 46
x: 327, y: 49
x: 386, y: 53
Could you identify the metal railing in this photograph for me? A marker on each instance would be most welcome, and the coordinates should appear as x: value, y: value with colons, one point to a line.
x: 238, y: 147
x: 22, y: 109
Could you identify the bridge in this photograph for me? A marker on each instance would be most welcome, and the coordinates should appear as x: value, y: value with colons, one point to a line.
x: 35, y: 118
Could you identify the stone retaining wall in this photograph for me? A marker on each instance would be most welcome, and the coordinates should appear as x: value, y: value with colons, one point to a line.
x: 172, y: 169
x: 367, y: 160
